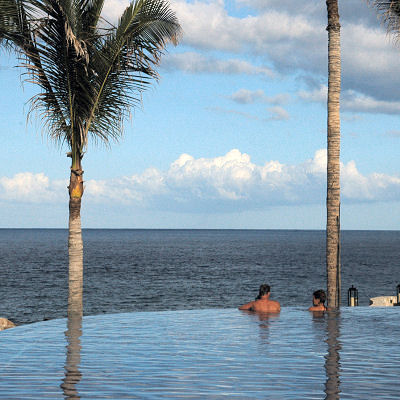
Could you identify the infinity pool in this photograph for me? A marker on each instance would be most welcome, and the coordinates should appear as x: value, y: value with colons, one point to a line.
x: 206, y: 354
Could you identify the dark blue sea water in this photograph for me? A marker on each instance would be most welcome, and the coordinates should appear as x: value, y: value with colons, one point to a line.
x: 148, y: 270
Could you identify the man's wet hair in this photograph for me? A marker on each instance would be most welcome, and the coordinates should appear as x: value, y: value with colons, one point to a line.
x: 264, y: 289
x: 321, y: 295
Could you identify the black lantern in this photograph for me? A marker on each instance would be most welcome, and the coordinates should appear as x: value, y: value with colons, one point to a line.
x: 352, y: 297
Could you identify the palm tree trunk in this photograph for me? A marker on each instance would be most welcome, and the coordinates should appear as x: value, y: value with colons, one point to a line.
x: 75, y: 283
x: 333, y: 167
x: 75, y: 243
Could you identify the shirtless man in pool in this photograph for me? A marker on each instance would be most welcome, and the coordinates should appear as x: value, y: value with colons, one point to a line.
x: 319, y: 298
x: 262, y: 303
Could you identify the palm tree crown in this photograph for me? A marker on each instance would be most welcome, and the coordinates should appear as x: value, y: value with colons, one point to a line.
x: 88, y: 70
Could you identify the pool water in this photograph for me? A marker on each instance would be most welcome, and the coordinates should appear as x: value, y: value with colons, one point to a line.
x: 206, y: 354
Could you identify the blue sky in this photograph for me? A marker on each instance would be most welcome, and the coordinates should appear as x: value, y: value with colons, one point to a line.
x: 234, y: 133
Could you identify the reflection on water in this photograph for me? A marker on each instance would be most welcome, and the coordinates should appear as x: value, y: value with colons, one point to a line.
x: 326, y: 329
x: 264, y: 317
x: 73, y: 334
x: 206, y: 354
x: 264, y: 322
x: 332, y: 358
x: 72, y: 373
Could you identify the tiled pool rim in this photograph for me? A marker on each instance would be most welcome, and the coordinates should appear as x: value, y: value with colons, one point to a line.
x: 206, y: 354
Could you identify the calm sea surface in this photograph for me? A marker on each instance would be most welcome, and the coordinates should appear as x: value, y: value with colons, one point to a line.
x: 154, y: 270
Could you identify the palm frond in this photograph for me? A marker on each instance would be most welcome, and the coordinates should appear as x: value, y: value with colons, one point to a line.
x: 14, y: 29
x: 18, y: 27
x: 125, y: 62
x: 89, y: 77
x: 389, y: 12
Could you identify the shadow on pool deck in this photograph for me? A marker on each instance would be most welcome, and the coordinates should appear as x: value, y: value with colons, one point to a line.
x: 205, y: 354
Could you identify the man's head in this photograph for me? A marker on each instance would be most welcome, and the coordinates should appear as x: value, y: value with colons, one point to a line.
x: 264, y: 289
x: 320, y: 295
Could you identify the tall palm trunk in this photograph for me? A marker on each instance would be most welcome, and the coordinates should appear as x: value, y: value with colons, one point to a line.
x: 75, y: 282
x: 333, y: 167
x: 75, y: 243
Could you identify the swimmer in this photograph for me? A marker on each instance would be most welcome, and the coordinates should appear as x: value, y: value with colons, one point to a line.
x: 319, y: 298
x: 262, y: 303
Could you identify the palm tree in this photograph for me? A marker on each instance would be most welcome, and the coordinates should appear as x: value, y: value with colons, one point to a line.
x: 333, y: 167
x: 90, y: 73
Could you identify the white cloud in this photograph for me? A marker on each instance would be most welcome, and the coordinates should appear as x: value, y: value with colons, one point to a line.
x: 317, y: 95
x: 304, y: 5
x: 113, y: 9
x: 376, y: 186
x: 191, y: 62
x: 278, y: 99
x: 285, y: 40
x: 315, y: 9
x: 32, y: 188
x: 278, y: 113
x: 353, y: 101
x: 208, y: 26
x: 230, y: 182
x: 245, y: 96
x: 288, y: 39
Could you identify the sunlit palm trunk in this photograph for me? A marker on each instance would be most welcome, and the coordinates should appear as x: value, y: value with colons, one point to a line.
x: 75, y: 243
x: 75, y: 251
x: 75, y: 284
x: 333, y: 167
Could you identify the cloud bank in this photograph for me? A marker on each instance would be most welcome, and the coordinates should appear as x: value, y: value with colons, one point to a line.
x: 227, y: 183
x: 272, y: 38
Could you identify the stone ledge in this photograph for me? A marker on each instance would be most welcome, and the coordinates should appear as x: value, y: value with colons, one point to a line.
x: 383, y: 301
x: 6, y: 324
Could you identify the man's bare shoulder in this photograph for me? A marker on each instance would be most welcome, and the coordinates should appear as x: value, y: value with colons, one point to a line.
x: 266, y: 306
x: 274, y: 305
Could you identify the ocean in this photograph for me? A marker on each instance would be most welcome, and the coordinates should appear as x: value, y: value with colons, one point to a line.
x: 156, y: 270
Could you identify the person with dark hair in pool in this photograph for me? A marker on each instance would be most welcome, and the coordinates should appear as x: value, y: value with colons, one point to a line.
x: 262, y: 303
x: 319, y: 297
